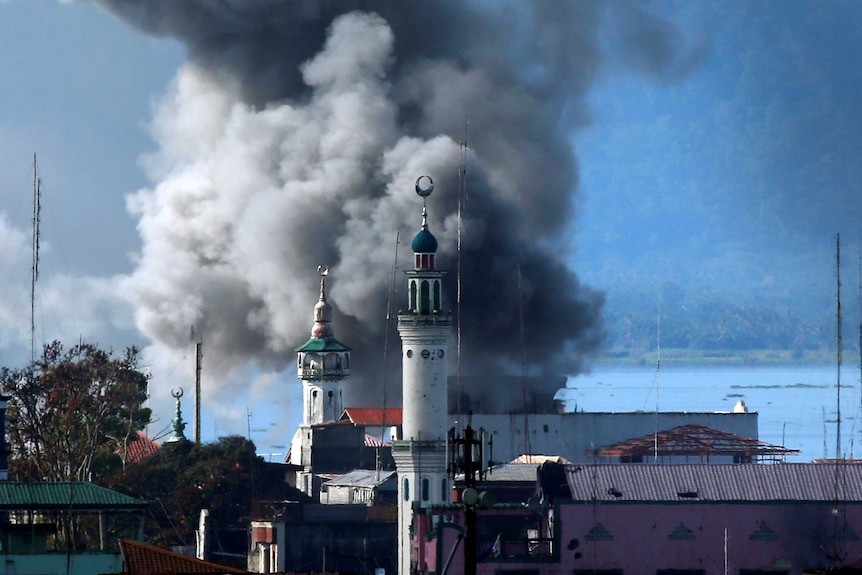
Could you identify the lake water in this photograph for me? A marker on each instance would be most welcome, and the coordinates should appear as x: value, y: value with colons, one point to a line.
x: 797, y: 406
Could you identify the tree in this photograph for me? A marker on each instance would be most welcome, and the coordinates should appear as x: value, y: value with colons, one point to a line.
x: 71, y: 408
x: 225, y: 477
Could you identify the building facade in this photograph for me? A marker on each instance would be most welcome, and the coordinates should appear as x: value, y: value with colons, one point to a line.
x: 694, y: 519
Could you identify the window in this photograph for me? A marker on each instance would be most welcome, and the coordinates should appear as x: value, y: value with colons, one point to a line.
x: 412, y: 296
x: 444, y: 491
x: 406, y: 489
x: 436, y: 295
x: 426, y: 488
x: 424, y: 298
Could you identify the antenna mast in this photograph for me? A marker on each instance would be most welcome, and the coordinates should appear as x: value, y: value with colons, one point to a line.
x: 386, y: 331
x: 462, y: 190
x: 839, y: 346
x: 34, y: 270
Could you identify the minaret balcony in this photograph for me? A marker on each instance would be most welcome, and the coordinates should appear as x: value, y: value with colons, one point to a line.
x: 314, y: 373
x: 408, y: 319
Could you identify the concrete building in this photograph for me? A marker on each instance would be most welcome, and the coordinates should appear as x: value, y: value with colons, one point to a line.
x: 361, y: 487
x: 524, y: 416
x: 696, y: 519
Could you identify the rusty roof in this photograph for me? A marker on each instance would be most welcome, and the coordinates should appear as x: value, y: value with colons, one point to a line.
x: 143, y: 559
x: 715, y: 482
x: 372, y: 415
x: 693, y: 441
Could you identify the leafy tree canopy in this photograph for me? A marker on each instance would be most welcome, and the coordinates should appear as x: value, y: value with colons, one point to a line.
x: 71, y: 413
x: 182, y: 478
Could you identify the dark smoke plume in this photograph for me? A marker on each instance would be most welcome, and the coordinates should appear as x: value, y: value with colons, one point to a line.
x: 294, y: 134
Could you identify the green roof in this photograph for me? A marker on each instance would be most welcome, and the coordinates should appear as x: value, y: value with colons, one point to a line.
x: 424, y: 242
x: 64, y: 495
x: 323, y: 344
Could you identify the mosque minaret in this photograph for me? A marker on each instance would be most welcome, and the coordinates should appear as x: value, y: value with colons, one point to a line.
x: 322, y: 364
x: 323, y: 367
x: 420, y: 453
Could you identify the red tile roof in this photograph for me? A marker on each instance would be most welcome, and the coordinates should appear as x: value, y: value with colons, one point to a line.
x: 143, y: 559
x: 372, y: 415
x: 139, y: 448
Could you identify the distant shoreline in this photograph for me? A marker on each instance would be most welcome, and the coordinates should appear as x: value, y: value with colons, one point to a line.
x: 724, y: 357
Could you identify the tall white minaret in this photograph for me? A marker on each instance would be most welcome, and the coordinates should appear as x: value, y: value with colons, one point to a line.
x: 322, y: 364
x: 420, y: 455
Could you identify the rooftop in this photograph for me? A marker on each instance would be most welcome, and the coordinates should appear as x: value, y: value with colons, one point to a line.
x: 693, y: 441
x: 139, y: 558
x: 715, y: 482
x: 374, y: 416
x: 69, y: 495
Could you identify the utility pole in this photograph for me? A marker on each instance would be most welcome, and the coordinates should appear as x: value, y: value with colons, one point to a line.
x: 467, y: 456
x: 198, y: 360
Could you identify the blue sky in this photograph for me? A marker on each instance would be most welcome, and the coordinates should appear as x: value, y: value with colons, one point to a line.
x: 730, y: 165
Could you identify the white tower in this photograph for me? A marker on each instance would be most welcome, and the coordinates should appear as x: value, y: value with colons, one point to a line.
x: 420, y: 455
x: 323, y: 364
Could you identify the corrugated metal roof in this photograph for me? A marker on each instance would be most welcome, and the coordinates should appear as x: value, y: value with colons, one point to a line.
x: 522, y: 472
x: 362, y: 478
x: 373, y: 415
x: 372, y: 441
x: 692, y: 440
x: 715, y: 482
x: 64, y: 495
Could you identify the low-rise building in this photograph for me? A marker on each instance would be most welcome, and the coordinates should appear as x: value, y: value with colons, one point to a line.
x: 698, y: 519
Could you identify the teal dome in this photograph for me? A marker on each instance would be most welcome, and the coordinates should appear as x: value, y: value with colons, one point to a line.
x: 424, y: 242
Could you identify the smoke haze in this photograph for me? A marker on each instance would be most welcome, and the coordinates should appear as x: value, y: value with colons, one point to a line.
x: 292, y: 137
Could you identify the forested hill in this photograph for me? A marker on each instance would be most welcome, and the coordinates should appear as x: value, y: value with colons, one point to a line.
x: 709, y: 328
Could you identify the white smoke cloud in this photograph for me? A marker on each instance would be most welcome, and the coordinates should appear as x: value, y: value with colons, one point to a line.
x: 293, y: 136
x: 250, y: 201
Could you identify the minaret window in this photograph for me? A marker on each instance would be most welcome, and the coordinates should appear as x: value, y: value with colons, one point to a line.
x: 426, y: 488
x: 444, y: 491
x: 406, y: 489
x: 413, y: 296
x: 424, y: 298
x: 436, y: 296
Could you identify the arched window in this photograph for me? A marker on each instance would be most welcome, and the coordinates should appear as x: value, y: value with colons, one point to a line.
x: 424, y: 298
x: 406, y: 489
x: 426, y: 485
x: 436, y: 295
x: 413, y: 296
x: 444, y: 490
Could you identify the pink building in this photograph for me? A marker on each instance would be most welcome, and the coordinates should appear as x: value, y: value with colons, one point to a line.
x: 680, y: 519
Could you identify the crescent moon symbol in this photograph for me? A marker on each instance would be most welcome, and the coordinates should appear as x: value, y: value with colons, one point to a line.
x: 424, y: 186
